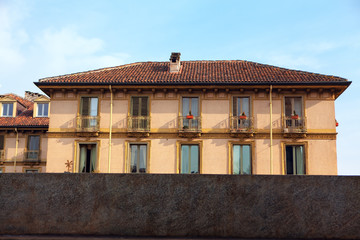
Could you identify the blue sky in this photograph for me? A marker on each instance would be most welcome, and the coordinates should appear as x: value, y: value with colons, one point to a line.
x: 41, y: 38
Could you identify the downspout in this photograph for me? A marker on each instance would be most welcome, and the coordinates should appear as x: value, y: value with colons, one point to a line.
x: 16, y: 148
x: 271, y: 134
x: 110, y: 126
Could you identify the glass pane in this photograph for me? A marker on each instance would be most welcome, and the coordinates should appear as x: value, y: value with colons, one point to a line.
x: 10, y: 109
x: 34, y: 143
x: 94, y: 107
x: 300, y: 160
x: 185, y: 106
x: 1, y: 142
x: 133, y: 156
x: 298, y: 106
x: 245, y: 106
x: 246, y: 159
x: 5, y: 109
x: 185, y: 159
x: 85, y: 106
x: 135, y: 106
x: 288, y: 108
x: 40, y: 109
x: 46, y: 110
x: 194, y: 159
x: 144, y: 106
x: 289, y: 160
x: 195, y: 106
x: 236, y: 159
x: 142, y: 164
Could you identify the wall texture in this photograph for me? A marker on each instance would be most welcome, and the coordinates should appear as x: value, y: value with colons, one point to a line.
x: 181, y: 205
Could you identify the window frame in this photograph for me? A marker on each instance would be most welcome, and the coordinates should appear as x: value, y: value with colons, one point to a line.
x: 76, y: 166
x: 13, y: 109
x: 232, y: 105
x: 128, y: 155
x: 306, y: 163
x: 25, y: 169
x: 37, y: 109
x: 302, y: 114
x: 252, y: 155
x: 27, y: 147
x: 179, y: 144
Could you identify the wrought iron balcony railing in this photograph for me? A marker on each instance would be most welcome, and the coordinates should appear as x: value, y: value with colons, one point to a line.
x: 138, y: 123
x: 88, y: 123
x: 189, y: 124
x: 32, y: 156
x: 294, y: 124
x: 241, y: 124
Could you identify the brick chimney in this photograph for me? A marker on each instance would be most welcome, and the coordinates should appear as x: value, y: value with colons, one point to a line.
x: 175, y: 62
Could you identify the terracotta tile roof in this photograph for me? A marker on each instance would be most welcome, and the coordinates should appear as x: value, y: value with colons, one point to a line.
x: 193, y: 72
x: 24, y: 116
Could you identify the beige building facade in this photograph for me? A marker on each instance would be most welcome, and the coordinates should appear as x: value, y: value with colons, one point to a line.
x: 208, y: 117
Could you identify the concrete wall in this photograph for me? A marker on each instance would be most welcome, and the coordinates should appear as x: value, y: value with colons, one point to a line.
x: 301, y: 207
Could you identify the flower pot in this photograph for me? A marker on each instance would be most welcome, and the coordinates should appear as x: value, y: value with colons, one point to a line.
x: 189, y: 117
x: 296, y: 117
x: 243, y: 117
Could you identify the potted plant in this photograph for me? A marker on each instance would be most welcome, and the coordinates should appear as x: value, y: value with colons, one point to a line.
x: 243, y: 116
x: 295, y: 116
x: 336, y: 123
x: 189, y: 116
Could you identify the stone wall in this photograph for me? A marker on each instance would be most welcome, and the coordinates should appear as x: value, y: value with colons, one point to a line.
x: 181, y: 205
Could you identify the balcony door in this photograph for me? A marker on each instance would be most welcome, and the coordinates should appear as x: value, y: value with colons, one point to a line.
x: 295, y: 159
x: 33, y: 148
x: 190, y: 113
x: 241, y: 113
x: 139, y: 113
x: 89, y: 112
x: 190, y: 158
x: 294, y: 113
x: 87, y: 157
x: 138, y: 158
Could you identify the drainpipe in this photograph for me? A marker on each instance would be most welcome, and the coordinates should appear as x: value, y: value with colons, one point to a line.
x: 271, y: 134
x: 110, y: 126
x: 16, y: 148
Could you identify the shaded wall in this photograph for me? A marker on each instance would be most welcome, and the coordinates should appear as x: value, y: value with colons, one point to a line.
x: 181, y: 205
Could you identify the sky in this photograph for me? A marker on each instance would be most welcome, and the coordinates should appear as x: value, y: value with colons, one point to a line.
x: 43, y: 38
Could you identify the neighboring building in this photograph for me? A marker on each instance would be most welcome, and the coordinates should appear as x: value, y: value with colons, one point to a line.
x: 23, y: 126
x: 193, y: 117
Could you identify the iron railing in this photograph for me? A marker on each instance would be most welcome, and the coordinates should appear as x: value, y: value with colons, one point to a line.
x: 294, y: 124
x: 88, y: 123
x: 189, y: 124
x: 241, y: 124
x: 32, y: 156
x: 138, y: 123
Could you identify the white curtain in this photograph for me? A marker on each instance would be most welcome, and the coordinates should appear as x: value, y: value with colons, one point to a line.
x: 82, y: 158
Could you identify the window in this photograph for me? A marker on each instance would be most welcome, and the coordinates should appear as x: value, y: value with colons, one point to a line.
x: 190, y: 114
x: 42, y: 109
x: 2, y: 153
x: 88, y: 112
x: 7, y: 109
x: 241, y: 113
x: 31, y: 170
x: 295, y: 159
x: 33, y: 148
x: 87, y: 158
x: 294, y: 119
x: 138, y: 158
x: 139, y: 113
x: 189, y: 158
x: 241, y: 159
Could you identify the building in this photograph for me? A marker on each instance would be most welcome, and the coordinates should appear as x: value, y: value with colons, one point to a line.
x: 211, y: 117
x: 23, y: 126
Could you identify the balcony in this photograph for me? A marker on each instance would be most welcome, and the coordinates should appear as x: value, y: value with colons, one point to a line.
x: 32, y: 156
x: 189, y: 127
x: 241, y: 124
x: 138, y: 126
x: 87, y: 123
x: 294, y: 126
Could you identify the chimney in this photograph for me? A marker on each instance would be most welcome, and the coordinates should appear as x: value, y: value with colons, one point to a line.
x: 175, y: 62
x: 31, y: 96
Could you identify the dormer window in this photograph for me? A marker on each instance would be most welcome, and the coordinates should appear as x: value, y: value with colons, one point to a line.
x: 43, y: 110
x: 7, y: 110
